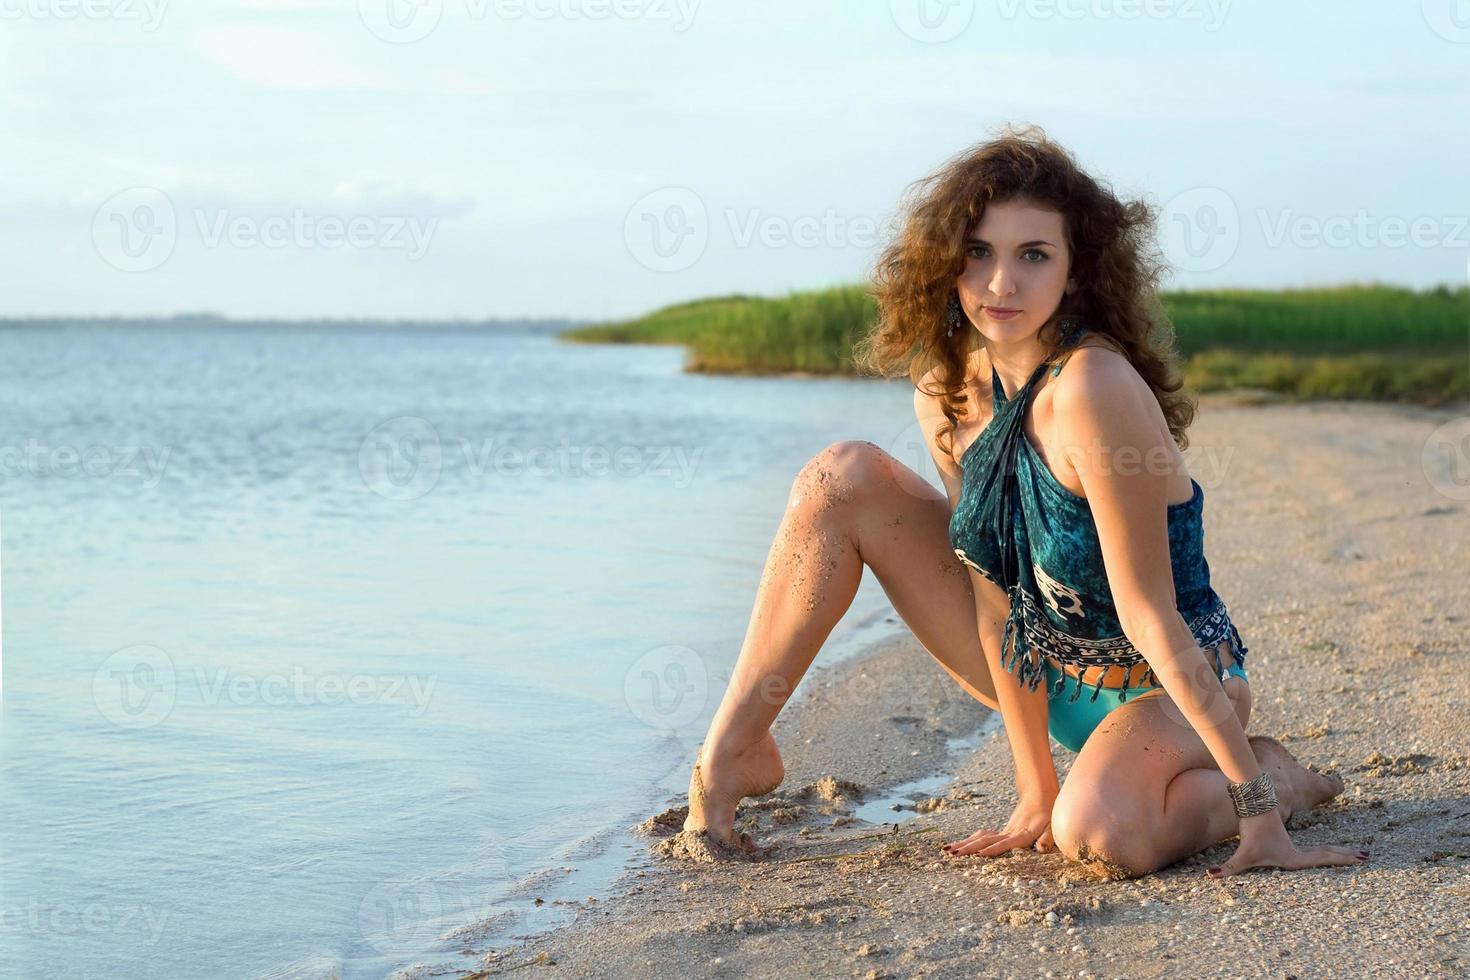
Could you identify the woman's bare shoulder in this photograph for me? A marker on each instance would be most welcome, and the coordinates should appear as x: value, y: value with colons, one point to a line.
x: 1094, y: 340
x: 1096, y: 354
x: 1098, y: 372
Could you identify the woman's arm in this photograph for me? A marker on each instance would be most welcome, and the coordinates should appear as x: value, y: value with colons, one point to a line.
x: 1023, y: 711
x: 1113, y: 431
x: 1108, y: 422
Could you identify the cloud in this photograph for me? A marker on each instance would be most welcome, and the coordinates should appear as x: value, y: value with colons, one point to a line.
x: 281, y: 58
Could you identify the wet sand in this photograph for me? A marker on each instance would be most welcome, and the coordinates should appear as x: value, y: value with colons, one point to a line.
x: 1347, y: 572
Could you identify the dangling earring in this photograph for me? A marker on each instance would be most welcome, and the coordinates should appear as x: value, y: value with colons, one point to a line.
x: 954, y: 315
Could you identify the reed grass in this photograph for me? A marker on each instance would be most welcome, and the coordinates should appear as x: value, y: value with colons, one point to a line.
x: 1355, y: 341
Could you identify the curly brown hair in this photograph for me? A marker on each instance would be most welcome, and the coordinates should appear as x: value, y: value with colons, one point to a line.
x: 1115, y: 264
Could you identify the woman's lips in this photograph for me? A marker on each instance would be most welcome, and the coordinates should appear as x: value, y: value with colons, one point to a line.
x: 997, y: 313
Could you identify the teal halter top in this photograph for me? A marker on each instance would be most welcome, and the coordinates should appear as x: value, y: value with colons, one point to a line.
x: 1016, y: 525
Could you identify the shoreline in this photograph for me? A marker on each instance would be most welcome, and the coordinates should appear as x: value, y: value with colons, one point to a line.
x: 1236, y: 391
x: 1327, y: 342
x: 1346, y: 571
x: 588, y: 870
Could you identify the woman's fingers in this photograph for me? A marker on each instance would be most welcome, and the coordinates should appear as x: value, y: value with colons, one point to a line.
x: 961, y: 843
x: 1242, y: 860
x: 975, y: 842
x: 990, y: 843
x: 997, y: 848
x: 998, y: 845
x: 977, y: 836
x: 1323, y: 856
x: 1330, y: 855
x: 980, y: 845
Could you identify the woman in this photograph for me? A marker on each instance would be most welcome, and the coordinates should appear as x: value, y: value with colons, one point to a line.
x: 1069, y: 549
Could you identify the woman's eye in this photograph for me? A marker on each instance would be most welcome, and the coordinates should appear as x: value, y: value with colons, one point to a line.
x: 981, y: 249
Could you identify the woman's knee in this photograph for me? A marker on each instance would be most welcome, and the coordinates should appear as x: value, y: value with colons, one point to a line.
x: 829, y: 480
x: 1107, y: 834
x: 858, y: 472
x: 1240, y: 694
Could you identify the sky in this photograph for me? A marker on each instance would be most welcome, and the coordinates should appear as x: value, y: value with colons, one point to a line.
x: 598, y: 159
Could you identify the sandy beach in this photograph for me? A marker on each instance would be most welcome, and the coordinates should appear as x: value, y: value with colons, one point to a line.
x: 1345, y: 562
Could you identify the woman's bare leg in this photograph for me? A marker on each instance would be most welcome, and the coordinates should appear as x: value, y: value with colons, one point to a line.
x: 851, y: 505
x: 1144, y: 791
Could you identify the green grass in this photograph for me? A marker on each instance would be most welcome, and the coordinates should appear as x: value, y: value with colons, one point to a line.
x: 810, y: 332
x: 1342, y: 320
x: 1354, y: 341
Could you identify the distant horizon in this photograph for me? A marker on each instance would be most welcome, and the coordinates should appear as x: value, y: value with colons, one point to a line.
x: 573, y: 321
x: 211, y: 316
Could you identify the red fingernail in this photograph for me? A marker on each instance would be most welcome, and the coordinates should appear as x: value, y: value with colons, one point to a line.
x: 1213, y: 872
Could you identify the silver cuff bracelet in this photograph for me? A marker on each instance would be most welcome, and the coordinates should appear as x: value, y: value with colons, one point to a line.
x: 1253, y: 798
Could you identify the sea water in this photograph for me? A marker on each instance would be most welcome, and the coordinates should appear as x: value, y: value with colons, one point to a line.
x: 329, y: 650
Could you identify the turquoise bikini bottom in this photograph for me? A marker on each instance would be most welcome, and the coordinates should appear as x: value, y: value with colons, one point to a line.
x: 1071, y: 722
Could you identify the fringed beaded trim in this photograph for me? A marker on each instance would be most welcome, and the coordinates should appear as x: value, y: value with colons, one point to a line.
x: 1029, y: 637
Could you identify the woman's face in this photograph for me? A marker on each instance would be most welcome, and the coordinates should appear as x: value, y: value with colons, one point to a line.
x: 1016, y: 258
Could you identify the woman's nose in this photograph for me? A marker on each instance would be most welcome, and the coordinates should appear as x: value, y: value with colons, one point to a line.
x: 1002, y: 283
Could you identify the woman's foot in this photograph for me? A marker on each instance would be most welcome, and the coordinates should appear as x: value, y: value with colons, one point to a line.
x: 1298, y: 788
x: 719, y: 782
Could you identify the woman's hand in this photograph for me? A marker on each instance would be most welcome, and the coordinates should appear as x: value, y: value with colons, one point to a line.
x: 1264, y: 843
x: 1029, y: 825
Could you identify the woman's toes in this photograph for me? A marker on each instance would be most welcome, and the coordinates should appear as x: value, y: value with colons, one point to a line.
x: 1323, y: 787
x: 1303, y: 786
